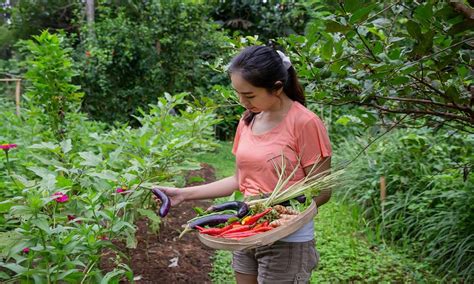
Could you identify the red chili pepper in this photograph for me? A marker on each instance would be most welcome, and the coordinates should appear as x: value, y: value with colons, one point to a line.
x: 252, y: 220
x: 213, y: 231
x: 239, y: 235
x: 262, y: 229
x: 237, y: 229
x: 200, y: 228
x: 259, y: 225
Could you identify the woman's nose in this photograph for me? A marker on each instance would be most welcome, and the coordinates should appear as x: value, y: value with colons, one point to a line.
x: 243, y: 101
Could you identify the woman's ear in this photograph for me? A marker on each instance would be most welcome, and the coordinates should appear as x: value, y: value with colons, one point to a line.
x: 278, y: 87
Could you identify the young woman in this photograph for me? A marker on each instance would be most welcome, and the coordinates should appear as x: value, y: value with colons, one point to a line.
x: 275, y: 126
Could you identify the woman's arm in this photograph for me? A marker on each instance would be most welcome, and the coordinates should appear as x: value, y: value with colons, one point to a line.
x: 220, y: 188
x: 323, y: 166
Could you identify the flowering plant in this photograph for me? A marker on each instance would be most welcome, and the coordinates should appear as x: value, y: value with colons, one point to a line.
x: 7, y: 147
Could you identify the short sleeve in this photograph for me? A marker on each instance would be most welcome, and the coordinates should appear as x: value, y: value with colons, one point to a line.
x: 313, y: 142
x: 237, y: 137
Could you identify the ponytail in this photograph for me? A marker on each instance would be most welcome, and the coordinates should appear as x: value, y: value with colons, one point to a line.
x: 293, y: 88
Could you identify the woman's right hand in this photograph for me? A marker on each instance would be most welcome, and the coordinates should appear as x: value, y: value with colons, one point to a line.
x: 176, y: 195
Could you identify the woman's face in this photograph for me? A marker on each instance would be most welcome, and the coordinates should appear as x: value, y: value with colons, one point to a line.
x: 253, y: 98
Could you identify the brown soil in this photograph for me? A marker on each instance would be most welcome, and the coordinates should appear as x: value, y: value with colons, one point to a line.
x: 152, y: 260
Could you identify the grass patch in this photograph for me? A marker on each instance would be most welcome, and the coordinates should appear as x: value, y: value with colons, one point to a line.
x: 221, y: 159
x: 347, y: 255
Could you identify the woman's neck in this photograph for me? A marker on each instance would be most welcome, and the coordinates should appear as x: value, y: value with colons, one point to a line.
x: 278, y: 111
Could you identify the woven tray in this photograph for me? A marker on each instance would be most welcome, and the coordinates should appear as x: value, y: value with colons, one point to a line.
x: 261, y: 239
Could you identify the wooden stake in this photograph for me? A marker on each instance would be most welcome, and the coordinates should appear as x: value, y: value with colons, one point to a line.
x: 17, y: 96
x: 383, y: 189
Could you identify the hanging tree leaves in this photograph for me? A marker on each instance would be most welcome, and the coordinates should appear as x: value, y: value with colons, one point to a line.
x: 396, y: 57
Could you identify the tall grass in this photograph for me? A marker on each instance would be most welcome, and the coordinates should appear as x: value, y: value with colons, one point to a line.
x: 430, y: 202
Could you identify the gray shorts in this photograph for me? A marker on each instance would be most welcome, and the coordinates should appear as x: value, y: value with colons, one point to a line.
x: 281, y: 262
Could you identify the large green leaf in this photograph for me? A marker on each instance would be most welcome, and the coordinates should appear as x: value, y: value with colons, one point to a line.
x: 414, y: 29
x: 361, y: 14
x: 90, y: 159
x: 335, y: 27
x: 327, y: 50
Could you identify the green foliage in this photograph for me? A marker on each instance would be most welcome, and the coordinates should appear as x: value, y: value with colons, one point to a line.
x: 429, y: 186
x: 31, y: 17
x: 66, y: 240
x: 268, y: 20
x: 347, y: 255
x: 142, y: 50
x: 50, y: 73
x: 220, y: 159
x: 396, y: 57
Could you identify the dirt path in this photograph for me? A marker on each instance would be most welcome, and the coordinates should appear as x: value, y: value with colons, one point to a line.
x: 164, y: 258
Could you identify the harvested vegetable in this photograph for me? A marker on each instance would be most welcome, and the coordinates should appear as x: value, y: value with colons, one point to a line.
x: 241, y: 207
x: 300, y: 199
x: 236, y: 229
x: 211, y: 220
x: 311, y: 185
x: 253, y: 219
x: 285, y: 210
x: 165, y: 202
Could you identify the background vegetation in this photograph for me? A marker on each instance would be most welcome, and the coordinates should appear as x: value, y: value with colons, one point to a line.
x: 129, y: 98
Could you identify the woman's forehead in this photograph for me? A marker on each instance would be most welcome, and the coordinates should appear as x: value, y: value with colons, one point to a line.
x: 239, y: 83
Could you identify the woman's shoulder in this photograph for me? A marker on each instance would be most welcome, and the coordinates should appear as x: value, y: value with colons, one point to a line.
x: 303, y: 115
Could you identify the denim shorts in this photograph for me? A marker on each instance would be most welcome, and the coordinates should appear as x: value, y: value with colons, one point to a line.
x: 280, y: 262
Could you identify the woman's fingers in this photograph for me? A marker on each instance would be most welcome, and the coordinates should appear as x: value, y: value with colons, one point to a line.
x: 174, y: 194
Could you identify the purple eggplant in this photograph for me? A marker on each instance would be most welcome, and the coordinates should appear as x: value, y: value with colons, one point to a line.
x: 211, y: 220
x: 165, y: 202
x: 241, y: 207
x: 300, y: 199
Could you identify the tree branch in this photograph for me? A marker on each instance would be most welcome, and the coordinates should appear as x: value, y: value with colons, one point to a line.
x: 426, y: 112
x: 420, y: 101
x: 366, y: 46
x: 459, y: 7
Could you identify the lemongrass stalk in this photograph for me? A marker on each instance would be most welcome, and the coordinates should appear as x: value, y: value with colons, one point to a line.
x: 311, y: 184
x: 280, y: 186
x: 284, y: 183
x: 307, y: 179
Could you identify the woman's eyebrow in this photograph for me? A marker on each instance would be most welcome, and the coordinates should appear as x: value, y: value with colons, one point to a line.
x: 243, y: 93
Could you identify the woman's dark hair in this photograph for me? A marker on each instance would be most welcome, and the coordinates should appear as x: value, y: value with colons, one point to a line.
x: 262, y: 67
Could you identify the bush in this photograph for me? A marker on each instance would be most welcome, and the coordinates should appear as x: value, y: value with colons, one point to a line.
x: 429, y: 186
x: 143, y: 50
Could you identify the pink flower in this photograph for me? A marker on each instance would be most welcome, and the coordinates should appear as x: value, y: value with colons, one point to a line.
x: 103, y: 238
x: 7, y: 147
x: 61, y: 197
x: 122, y: 190
x: 72, y: 217
x: 26, y: 250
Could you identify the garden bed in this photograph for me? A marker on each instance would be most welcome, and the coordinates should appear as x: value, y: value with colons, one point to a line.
x: 189, y: 259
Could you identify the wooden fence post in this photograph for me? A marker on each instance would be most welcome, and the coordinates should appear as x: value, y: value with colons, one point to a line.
x: 17, y: 96
x: 383, y: 189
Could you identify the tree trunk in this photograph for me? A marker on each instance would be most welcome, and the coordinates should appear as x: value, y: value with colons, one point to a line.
x: 90, y: 17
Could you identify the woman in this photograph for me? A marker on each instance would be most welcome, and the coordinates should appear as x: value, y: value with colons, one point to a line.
x: 275, y: 127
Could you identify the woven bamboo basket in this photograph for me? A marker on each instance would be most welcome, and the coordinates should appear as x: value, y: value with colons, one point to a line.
x: 261, y: 239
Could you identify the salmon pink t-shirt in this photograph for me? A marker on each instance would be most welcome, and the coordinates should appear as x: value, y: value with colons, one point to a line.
x: 299, y: 140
